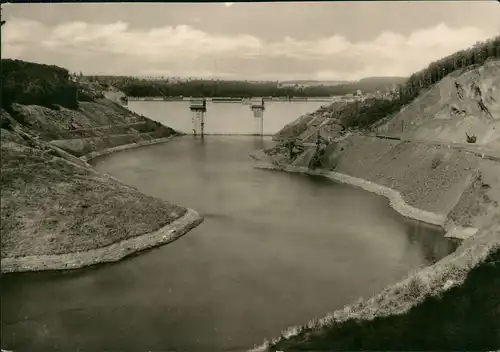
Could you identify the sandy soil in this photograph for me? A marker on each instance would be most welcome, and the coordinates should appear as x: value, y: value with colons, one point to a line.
x: 428, y: 178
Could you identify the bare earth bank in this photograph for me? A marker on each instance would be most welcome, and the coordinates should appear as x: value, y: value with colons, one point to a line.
x: 57, y: 212
x: 454, y: 190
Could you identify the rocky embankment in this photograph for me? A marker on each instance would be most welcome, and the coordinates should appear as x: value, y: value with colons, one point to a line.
x: 428, y: 172
x: 56, y: 211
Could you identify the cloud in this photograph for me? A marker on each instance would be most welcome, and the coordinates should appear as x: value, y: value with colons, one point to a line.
x: 116, y: 48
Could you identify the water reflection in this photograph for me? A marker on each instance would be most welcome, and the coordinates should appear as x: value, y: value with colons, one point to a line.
x: 258, y: 143
x: 425, y: 235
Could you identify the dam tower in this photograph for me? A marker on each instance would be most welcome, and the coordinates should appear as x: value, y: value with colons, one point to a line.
x: 198, y: 108
x: 258, y: 108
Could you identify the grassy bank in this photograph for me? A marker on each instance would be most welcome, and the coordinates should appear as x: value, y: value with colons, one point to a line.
x: 54, y: 205
x: 112, y: 252
x: 50, y: 206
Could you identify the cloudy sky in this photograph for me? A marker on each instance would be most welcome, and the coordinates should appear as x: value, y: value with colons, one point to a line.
x: 314, y: 40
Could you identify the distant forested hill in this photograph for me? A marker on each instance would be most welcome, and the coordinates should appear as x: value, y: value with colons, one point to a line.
x: 138, y: 87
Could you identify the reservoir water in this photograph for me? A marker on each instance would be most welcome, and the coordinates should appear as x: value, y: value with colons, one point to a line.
x: 275, y: 250
x: 224, y: 118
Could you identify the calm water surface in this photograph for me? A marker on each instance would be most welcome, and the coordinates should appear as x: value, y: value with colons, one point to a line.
x: 275, y: 250
x: 224, y: 118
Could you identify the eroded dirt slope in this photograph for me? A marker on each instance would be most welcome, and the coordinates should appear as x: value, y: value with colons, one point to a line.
x: 462, y: 102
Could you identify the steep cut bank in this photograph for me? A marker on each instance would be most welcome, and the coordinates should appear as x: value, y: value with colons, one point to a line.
x: 56, y: 211
x: 421, y: 154
x: 440, y: 173
x: 461, y: 103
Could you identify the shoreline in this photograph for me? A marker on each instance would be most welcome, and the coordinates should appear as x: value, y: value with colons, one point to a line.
x: 430, y: 281
x: 115, y: 251
x: 398, y: 298
x: 108, y: 254
x: 87, y: 157
x: 396, y: 201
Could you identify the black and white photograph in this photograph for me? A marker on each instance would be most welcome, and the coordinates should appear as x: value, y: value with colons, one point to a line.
x: 250, y: 176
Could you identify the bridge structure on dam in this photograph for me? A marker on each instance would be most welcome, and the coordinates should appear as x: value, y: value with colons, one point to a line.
x: 198, y: 107
x: 257, y: 106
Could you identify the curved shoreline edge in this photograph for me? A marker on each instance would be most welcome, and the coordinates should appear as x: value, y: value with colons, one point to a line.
x: 115, y: 251
x: 434, y: 280
x: 111, y: 253
x: 87, y: 157
x: 451, y: 271
x: 396, y: 201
